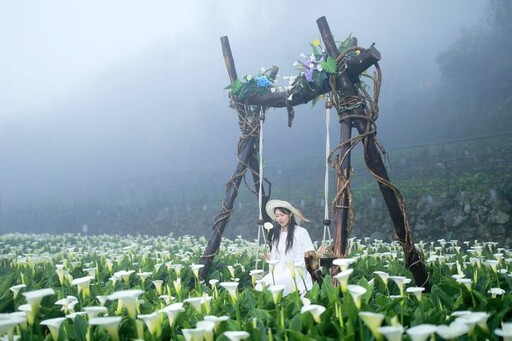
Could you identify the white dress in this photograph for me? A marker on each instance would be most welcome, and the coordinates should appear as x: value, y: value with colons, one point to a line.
x: 290, y: 262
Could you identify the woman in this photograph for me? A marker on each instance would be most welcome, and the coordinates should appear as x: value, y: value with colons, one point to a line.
x: 288, y: 242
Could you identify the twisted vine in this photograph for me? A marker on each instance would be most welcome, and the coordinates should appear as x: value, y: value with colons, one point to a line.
x: 345, y: 106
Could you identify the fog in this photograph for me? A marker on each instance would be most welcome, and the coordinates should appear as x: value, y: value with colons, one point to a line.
x: 96, y: 95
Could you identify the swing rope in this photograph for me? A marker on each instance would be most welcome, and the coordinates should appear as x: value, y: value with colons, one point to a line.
x: 260, y: 190
x: 327, y: 232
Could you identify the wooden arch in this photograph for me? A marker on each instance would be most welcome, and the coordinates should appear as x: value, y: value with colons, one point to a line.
x: 345, y: 85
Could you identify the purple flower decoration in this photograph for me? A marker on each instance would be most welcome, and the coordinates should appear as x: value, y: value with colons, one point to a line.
x: 262, y: 81
x: 308, y: 72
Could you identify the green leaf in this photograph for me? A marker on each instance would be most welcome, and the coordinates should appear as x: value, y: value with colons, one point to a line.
x: 483, y: 299
x: 459, y: 302
x: 236, y: 86
x: 295, y: 323
x: 6, y: 298
x: 81, y: 325
x: 328, y: 290
x: 369, y: 289
x: 299, y: 336
x: 315, y: 49
x: 329, y: 65
x: 346, y: 43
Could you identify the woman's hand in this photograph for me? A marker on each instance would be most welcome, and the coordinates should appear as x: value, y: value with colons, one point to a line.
x: 266, y: 256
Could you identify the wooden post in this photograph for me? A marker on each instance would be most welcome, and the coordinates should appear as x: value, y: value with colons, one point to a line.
x: 244, y: 153
x: 247, y: 151
x: 375, y: 164
x: 342, y: 204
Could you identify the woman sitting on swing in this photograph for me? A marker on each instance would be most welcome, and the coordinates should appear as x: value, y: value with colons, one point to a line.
x: 288, y: 243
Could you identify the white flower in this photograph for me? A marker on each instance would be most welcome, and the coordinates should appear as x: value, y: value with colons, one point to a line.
x: 16, y: 289
x: 470, y: 319
x: 207, y: 327
x: 400, y: 282
x: 127, y: 299
x: 114, y: 280
x: 173, y: 311
x: 216, y: 320
x: 143, y: 275
x: 383, y: 276
x: 61, y: 272
x: 277, y: 292
x: 305, y: 301
x: 35, y: 297
x: 125, y: 275
x: 158, y: 286
x: 83, y: 285
x: 152, y: 321
x: 91, y: 271
x: 268, y: 226
x: 356, y: 291
x: 177, y: 285
x: 27, y: 310
x: 342, y: 279
x: 505, y: 332
x: 166, y: 298
x: 466, y: 281
x: 315, y: 310
x: 199, y: 303
x: 272, y: 263
x: 231, y: 288
x: 195, y: 269
x: 68, y: 304
x: 496, y: 291
x: 255, y: 275
x: 110, y: 323
x: 231, y: 270
x: 392, y: 333
x: 177, y: 268
x: 372, y: 321
x: 8, y: 324
x: 94, y: 311
x: 493, y: 264
x: 421, y: 332
x: 54, y: 326
x: 453, y: 331
x: 416, y: 291
x: 236, y: 335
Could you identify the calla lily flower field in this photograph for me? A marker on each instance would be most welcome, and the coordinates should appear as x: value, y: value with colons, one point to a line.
x: 73, y: 287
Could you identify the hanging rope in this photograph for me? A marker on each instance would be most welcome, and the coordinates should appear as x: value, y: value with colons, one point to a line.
x: 260, y: 190
x: 326, y: 239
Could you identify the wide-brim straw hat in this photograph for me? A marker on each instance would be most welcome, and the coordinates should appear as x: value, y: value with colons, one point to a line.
x: 273, y: 204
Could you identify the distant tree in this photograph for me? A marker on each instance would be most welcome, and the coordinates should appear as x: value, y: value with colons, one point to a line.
x: 478, y: 65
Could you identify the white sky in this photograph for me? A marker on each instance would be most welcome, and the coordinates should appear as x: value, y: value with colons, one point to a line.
x: 121, y: 85
x: 49, y: 48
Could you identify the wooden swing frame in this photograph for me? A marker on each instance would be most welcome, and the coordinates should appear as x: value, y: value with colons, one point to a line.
x: 252, y: 110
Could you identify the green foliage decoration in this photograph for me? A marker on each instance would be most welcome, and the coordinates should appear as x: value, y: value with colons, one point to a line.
x: 314, y: 72
x: 329, y: 65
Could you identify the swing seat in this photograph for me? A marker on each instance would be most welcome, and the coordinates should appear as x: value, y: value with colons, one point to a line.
x: 314, y: 265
